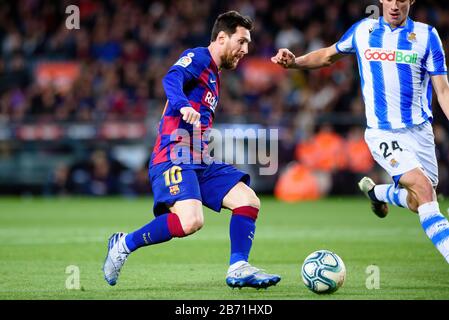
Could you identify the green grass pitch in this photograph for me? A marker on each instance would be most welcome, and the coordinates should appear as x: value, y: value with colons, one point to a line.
x: 40, y: 238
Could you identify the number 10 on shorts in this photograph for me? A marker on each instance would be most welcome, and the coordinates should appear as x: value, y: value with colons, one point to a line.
x: 173, y: 175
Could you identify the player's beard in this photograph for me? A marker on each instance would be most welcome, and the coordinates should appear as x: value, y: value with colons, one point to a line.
x: 228, y: 61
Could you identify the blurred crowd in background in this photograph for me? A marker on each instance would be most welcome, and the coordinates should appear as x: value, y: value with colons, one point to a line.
x: 115, y: 62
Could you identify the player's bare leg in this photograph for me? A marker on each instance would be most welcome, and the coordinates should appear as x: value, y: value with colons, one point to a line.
x: 240, y: 195
x: 419, y: 196
x: 190, y: 213
x: 435, y: 225
x: 245, y: 205
x: 419, y: 187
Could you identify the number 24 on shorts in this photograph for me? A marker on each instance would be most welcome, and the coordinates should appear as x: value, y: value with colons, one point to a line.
x: 385, y: 148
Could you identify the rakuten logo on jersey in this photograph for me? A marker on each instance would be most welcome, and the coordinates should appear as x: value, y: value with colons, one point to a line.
x: 210, y: 100
x: 396, y: 56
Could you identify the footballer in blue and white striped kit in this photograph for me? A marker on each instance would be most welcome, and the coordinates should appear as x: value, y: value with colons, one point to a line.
x: 400, y: 62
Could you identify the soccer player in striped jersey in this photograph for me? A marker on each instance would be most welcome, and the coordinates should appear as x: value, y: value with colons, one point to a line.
x: 400, y: 61
x: 182, y: 179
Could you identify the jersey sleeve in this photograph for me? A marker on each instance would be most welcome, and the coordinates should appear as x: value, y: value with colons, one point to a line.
x: 346, y: 42
x: 187, y: 68
x: 435, y: 63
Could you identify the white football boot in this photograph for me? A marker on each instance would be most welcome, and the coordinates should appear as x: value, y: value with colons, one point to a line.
x: 380, y: 208
x: 246, y: 275
x: 115, y: 258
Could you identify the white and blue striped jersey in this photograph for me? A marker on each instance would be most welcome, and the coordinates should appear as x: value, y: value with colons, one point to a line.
x: 395, y: 67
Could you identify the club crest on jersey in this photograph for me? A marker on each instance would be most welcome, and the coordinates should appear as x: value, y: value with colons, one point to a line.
x: 394, y: 163
x: 174, y: 190
x: 411, y: 36
x: 184, y: 61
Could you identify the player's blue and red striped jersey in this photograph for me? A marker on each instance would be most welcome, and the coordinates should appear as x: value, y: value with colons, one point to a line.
x: 194, y: 81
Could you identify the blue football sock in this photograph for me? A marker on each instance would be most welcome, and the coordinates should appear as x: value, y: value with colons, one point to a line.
x: 241, y: 231
x: 161, y: 229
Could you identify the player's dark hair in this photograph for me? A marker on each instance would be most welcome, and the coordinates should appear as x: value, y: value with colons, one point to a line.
x: 228, y: 22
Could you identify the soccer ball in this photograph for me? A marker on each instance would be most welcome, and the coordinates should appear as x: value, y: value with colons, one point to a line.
x: 323, y: 271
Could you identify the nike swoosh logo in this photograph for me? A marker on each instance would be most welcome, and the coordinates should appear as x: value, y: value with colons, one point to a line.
x: 213, y: 81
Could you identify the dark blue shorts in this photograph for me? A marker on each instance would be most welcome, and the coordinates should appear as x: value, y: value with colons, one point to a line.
x: 207, y: 183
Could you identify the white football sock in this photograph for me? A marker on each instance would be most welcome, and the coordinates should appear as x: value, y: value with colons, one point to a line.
x: 389, y: 194
x: 436, y: 226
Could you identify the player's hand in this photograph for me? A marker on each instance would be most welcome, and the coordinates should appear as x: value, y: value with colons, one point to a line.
x: 284, y: 58
x: 190, y: 116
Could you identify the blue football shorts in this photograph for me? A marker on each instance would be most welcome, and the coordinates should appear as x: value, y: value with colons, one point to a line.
x: 207, y: 183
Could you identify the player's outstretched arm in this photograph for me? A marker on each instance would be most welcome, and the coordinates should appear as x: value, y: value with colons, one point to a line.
x: 316, y: 59
x: 441, y: 85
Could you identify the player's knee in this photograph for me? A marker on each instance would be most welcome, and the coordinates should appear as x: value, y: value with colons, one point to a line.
x: 255, y: 202
x: 193, y: 224
x: 251, y: 199
x: 423, y: 189
x: 241, y: 196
